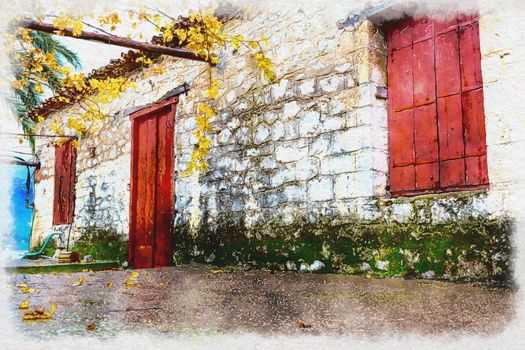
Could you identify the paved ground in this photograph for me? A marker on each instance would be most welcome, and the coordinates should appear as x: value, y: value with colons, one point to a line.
x: 198, y: 300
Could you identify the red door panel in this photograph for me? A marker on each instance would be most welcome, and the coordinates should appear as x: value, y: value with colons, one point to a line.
x: 452, y: 173
x: 427, y: 176
x: 423, y: 29
x: 165, y: 199
x: 400, y: 36
x: 450, y: 127
x: 402, y: 88
x: 474, y: 123
x: 402, y: 178
x: 447, y: 64
x: 424, y: 76
x: 426, y: 138
x: 470, y: 57
x: 445, y: 25
x: 476, y: 169
x: 152, y: 194
x: 402, y: 138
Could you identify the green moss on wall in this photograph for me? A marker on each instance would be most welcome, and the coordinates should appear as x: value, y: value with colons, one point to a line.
x: 473, y: 248
x: 101, y: 244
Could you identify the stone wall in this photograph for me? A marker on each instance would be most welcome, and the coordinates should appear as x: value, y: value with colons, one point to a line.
x: 310, y: 148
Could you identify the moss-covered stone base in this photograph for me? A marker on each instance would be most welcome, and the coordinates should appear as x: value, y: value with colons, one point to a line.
x: 101, y: 244
x: 473, y: 248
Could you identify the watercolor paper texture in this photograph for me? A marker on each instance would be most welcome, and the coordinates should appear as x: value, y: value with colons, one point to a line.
x: 362, y: 187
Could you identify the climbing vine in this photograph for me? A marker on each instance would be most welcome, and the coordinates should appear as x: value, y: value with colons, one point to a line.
x: 202, y: 33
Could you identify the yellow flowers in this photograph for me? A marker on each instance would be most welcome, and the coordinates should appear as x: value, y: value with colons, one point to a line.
x: 265, y: 65
x: 39, y: 313
x: 79, y: 282
x: 146, y: 60
x: 213, y: 91
x: 77, y: 27
x: 63, y: 22
x: 112, y: 19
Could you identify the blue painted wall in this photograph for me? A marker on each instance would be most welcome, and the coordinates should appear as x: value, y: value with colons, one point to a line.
x: 21, y: 215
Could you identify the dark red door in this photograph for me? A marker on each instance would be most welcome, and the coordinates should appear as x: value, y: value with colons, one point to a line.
x: 65, y: 164
x: 152, y: 186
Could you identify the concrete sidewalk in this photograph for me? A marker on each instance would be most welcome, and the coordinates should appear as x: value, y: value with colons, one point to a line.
x: 183, y: 299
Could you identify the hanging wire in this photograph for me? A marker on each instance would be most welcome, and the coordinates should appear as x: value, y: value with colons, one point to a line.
x: 15, y: 134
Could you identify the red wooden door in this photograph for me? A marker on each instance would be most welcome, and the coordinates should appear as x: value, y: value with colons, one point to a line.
x: 65, y: 165
x: 152, y: 186
x: 436, y: 115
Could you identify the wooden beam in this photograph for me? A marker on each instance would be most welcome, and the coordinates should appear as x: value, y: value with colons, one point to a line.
x: 111, y: 40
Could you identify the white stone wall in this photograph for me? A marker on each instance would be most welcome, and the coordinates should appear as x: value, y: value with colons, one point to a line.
x: 314, y: 143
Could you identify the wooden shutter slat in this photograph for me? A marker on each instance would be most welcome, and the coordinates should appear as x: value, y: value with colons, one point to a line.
x: 474, y: 123
x: 427, y: 176
x: 452, y: 173
x: 402, y: 138
x: 400, y: 36
x: 450, y: 127
x: 443, y: 26
x: 447, y: 64
x: 476, y: 170
x: 426, y: 138
x: 470, y: 57
x: 402, y: 86
x: 402, y: 178
x: 423, y: 70
x: 423, y: 29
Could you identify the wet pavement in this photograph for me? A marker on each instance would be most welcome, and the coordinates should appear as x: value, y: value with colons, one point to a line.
x: 193, y: 300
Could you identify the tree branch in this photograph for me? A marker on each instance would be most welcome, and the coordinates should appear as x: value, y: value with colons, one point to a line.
x: 112, y: 40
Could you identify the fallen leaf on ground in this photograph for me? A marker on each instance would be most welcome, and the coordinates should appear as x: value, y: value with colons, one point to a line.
x: 368, y: 276
x: 91, y: 326
x: 79, y: 282
x: 217, y: 271
x: 24, y: 305
x: 302, y: 325
x: 39, y: 313
x: 131, y: 279
x: 109, y: 284
x: 24, y: 289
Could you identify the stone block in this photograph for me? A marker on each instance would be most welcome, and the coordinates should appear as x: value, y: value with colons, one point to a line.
x: 320, y: 189
x: 309, y: 123
x: 338, y: 164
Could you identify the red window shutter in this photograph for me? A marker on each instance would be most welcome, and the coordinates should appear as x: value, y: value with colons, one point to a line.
x: 63, y: 201
x: 436, y: 114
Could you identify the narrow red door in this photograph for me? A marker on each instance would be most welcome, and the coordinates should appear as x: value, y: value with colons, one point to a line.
x: 152, y: 186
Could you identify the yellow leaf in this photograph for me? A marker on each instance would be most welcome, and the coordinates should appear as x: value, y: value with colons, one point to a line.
x: 79, y: 282
x: 24, y: 305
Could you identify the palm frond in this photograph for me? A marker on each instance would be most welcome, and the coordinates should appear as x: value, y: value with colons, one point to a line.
x: 48, y: 43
